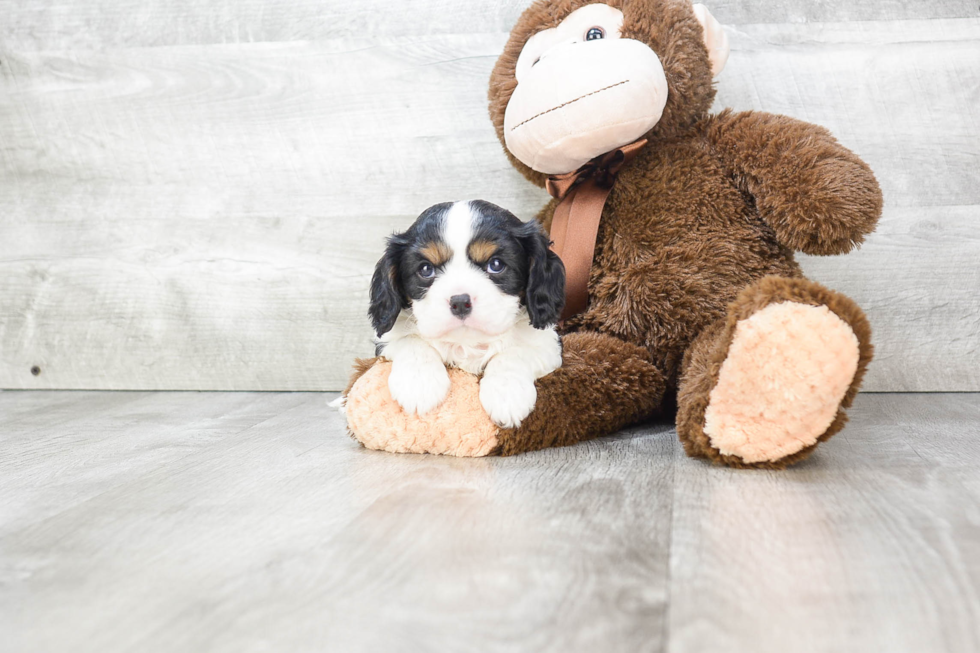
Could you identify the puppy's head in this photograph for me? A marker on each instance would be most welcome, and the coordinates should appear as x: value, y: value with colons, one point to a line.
x: 467, y: 264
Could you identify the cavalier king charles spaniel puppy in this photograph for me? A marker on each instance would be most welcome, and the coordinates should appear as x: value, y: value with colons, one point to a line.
x: 469, y: 285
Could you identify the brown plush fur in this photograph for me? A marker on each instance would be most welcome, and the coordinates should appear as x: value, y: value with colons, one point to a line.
x: 361, y: 365
x: 603, y: 385
x: 695, y: 224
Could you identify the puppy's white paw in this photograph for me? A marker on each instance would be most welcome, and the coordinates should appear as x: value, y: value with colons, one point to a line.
x: 340, y: 403
x: 507, y: 398
x: 419, y: 388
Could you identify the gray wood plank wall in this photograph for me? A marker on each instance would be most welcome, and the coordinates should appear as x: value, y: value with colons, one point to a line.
x: 192, y: 194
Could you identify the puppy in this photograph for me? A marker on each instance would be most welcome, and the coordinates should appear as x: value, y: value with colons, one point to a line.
x: 471, y: 286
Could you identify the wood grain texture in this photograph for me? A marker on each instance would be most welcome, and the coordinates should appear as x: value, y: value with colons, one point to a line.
x: 56, y: 25
x: 206, y: 215
x: 872, y: 545
x: 251, y: 522
x: 98, y: 24
x: 211, y: 219
x: 242, y: 522
x: 918, y: 278
x: 740, y: 12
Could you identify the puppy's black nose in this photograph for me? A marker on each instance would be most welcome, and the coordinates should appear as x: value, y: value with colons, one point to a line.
x: 460, y: 305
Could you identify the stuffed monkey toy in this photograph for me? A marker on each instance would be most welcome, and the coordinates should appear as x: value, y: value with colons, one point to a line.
x: 690, y: 298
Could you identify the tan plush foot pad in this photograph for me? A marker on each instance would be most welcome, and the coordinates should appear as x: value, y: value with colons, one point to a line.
x: 458, y: 427
x: 782, y: 382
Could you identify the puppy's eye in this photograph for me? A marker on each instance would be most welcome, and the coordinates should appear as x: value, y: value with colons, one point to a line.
x: 426, y: 271
x: 495, y: 266
x: 595, y: 33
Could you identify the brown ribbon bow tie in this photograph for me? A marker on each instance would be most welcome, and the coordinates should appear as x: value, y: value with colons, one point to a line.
x: 582, y: 195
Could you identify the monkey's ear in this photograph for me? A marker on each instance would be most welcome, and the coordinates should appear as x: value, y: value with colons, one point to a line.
x: 715, y: 38
x: 387, y: 297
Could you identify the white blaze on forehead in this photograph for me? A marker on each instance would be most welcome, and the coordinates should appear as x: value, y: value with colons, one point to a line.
x: 459, y: 275
x: 457, y: 230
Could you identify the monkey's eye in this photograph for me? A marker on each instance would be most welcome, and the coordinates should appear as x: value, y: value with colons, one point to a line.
x: 426, y: 271
x: 594, y: 34
x: 495, y: 266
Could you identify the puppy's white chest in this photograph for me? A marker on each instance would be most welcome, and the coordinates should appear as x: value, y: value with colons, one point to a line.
x: 472, y: 358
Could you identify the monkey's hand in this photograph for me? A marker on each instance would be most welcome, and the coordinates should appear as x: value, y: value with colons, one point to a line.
x: 816, y: 195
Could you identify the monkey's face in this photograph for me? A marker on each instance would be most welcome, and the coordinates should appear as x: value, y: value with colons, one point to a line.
x: 582, y: 90
x: 589, y: 79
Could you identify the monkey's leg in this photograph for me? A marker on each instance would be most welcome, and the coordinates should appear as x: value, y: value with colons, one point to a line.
x: 763, y: 386
x: 603, y: 385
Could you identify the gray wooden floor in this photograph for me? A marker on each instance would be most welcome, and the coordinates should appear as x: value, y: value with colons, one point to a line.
x: 250, y: 522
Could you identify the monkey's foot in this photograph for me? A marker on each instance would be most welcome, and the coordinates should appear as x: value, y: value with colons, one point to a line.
x: 776, y: 383
x: 457, y: 427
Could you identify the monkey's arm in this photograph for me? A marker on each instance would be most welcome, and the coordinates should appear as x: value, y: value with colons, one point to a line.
x: 817, y: 195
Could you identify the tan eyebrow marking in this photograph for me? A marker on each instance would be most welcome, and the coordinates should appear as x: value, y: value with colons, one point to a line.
x: 437, y: 253
x: 480, y: 251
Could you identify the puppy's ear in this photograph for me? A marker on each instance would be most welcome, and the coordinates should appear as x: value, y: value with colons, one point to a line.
x: 545, y: 292
x: 387, y: 295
